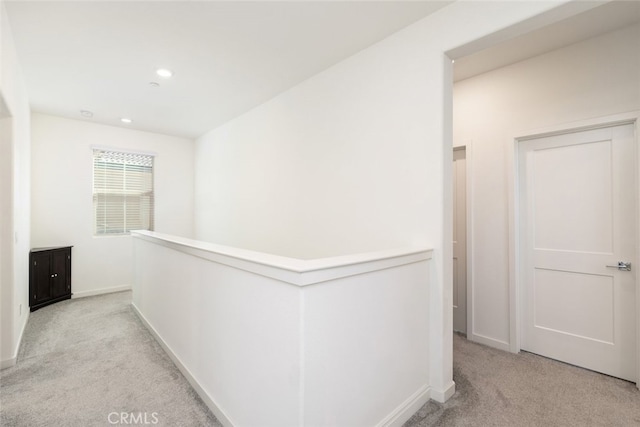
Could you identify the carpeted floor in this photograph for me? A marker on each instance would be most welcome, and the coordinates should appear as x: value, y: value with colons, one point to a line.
x: 70, y: 348
x: 497, y: 388
x: 84, y: 362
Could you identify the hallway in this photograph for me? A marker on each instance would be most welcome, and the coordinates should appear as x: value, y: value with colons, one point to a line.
x: 89, y: 362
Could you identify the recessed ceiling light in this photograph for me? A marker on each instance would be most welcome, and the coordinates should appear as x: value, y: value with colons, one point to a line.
x: 163, y: 72
x: 86, y: 113
x: 126, y: 120
x: 154, y: 84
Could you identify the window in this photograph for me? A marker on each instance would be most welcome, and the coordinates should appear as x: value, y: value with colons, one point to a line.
x: 122, y: 192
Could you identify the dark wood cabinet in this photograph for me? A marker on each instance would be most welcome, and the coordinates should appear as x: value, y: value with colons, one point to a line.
x: 49, y: 276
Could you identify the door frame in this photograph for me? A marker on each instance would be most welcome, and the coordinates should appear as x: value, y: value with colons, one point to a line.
x: 516, y: 299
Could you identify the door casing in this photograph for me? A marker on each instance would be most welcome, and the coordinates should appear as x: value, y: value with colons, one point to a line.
x: 515, y: 285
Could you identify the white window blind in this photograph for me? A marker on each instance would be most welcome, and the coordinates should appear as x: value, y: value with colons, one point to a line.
x: 122, y: 192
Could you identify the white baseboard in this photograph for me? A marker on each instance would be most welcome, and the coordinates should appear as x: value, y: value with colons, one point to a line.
x: 443, y: 395
x: 406, y: 410
x: 491, y: 342
x: 93, y: 292
x: 219, y: 413
x: 7, y: 363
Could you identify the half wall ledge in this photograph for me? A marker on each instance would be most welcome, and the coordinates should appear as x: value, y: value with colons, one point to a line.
x: 263, y: 347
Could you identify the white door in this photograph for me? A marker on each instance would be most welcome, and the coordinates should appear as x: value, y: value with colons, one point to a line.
x: 578, y: 218
x: 459, y: 241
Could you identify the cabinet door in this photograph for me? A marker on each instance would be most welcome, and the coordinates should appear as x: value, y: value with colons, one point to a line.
x: 58, y: 273
x: 42, y: 284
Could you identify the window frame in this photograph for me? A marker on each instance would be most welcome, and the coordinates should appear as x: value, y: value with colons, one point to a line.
x: 146, y: 223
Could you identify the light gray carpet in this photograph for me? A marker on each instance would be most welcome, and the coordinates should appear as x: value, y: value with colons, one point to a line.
x: 496, y: 388
x: 82, y: 359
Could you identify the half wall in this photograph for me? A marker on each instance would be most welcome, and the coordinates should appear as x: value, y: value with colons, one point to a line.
x: 271, y: 340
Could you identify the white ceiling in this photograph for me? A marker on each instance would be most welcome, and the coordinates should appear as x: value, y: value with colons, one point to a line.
x: 597, y: 21
x: 227, y: 56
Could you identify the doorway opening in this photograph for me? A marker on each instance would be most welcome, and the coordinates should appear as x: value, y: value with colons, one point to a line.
x: 543, y: 79
x: 459, y: 240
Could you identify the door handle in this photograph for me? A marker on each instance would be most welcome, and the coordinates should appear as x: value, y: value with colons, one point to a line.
x: 623, y: 266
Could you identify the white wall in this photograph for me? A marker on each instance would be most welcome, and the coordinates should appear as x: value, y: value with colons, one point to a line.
x: 344, y: 161
x: 594, y: 78
x: 234, y: 331
x: 6, y: 237
x: 332, y: 342
x: 356, y: 158
x: 366, y: 347
x: 62, y: 179
x: 14, y: 198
